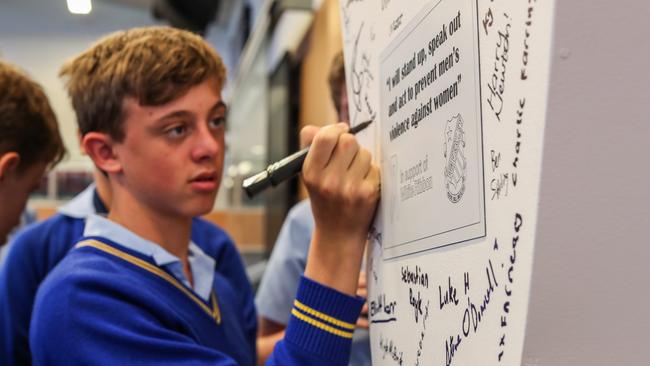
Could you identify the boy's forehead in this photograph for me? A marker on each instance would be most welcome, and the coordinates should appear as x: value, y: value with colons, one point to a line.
x: 179, y: 103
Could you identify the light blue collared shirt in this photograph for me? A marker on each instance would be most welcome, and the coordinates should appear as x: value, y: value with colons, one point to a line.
x: 201, y: 264
x: 81, y: 206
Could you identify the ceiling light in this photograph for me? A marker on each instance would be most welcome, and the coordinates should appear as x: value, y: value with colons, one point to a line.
x: 79, y: 6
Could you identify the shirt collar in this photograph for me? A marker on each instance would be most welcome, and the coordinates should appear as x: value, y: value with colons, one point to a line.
x: 81, y: 206
x: 201, y: 264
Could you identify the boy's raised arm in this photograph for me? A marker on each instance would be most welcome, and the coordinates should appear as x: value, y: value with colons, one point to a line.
x: 343, y: 187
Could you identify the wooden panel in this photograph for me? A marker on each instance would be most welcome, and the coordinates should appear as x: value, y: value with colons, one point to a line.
x: 43, y: 212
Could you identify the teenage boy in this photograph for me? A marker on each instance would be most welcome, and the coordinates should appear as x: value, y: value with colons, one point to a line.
x: 29, y: 143
x: 135, y: 289
x: 39, y: 248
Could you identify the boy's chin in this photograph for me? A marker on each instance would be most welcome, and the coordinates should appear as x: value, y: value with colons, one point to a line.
x: 193, y: 207
x: 201, y: 209
x: 202, y: 212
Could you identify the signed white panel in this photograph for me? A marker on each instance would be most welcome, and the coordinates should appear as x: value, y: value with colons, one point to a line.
x: 431, y: 136
x: 458, y: 91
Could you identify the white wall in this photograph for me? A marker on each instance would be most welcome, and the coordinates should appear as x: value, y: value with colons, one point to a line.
x: 590, y: 297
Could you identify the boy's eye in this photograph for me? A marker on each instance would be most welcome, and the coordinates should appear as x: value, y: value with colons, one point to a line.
x: 217, y: 122
x: 176, y: 131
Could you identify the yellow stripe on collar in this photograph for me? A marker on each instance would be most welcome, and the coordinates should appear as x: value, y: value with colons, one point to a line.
x: 215, y: 313
x: 322, y: 316
x: 320, y: 325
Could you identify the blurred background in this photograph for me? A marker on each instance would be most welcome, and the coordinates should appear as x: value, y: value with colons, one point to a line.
x: 278, y: 54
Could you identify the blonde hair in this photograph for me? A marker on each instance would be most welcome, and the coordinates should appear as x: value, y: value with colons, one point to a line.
x: 154, y: 65
x: 27, y: 121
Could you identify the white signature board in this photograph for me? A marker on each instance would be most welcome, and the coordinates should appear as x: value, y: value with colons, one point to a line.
x: 457, y: 90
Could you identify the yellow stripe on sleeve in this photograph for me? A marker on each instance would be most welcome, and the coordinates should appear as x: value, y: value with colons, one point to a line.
x: 320, y: 325
x: 322, y: 316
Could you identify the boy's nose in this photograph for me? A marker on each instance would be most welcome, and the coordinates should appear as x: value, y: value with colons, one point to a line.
x: 207, y: 146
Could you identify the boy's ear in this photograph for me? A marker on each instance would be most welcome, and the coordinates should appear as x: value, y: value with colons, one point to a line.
x: 9, y: 162
x: 101, y: 149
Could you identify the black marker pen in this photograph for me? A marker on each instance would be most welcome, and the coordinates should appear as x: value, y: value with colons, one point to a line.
x: 284, y: 169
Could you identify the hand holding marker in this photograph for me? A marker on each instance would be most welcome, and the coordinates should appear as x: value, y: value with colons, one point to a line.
x: 284, y: 169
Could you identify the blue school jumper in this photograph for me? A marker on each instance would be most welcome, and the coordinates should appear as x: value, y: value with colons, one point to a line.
x: 37, y: 250
x: 105, y: 304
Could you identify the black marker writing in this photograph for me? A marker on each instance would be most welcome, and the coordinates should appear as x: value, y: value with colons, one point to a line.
x: 473, y: 315
x: 518, y: 142
x: 449, y: 296
x: 451, y: 347
x: 379, y: 305
x: 417, y: 277
x: 497, y: 83
x: 508, y: 290
x: 499, y: 186
x: 488, y: 20
x: 524, y: 56
x: 416, y: 302
x: 388, y: 347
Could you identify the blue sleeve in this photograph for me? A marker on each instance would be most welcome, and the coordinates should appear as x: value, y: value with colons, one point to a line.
x: 286, y: 265
x: 320, y: 328
x: 34, y: 252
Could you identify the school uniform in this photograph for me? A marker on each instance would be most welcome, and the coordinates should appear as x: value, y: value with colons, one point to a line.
x: 117, y: 298
x: 36, y: 251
